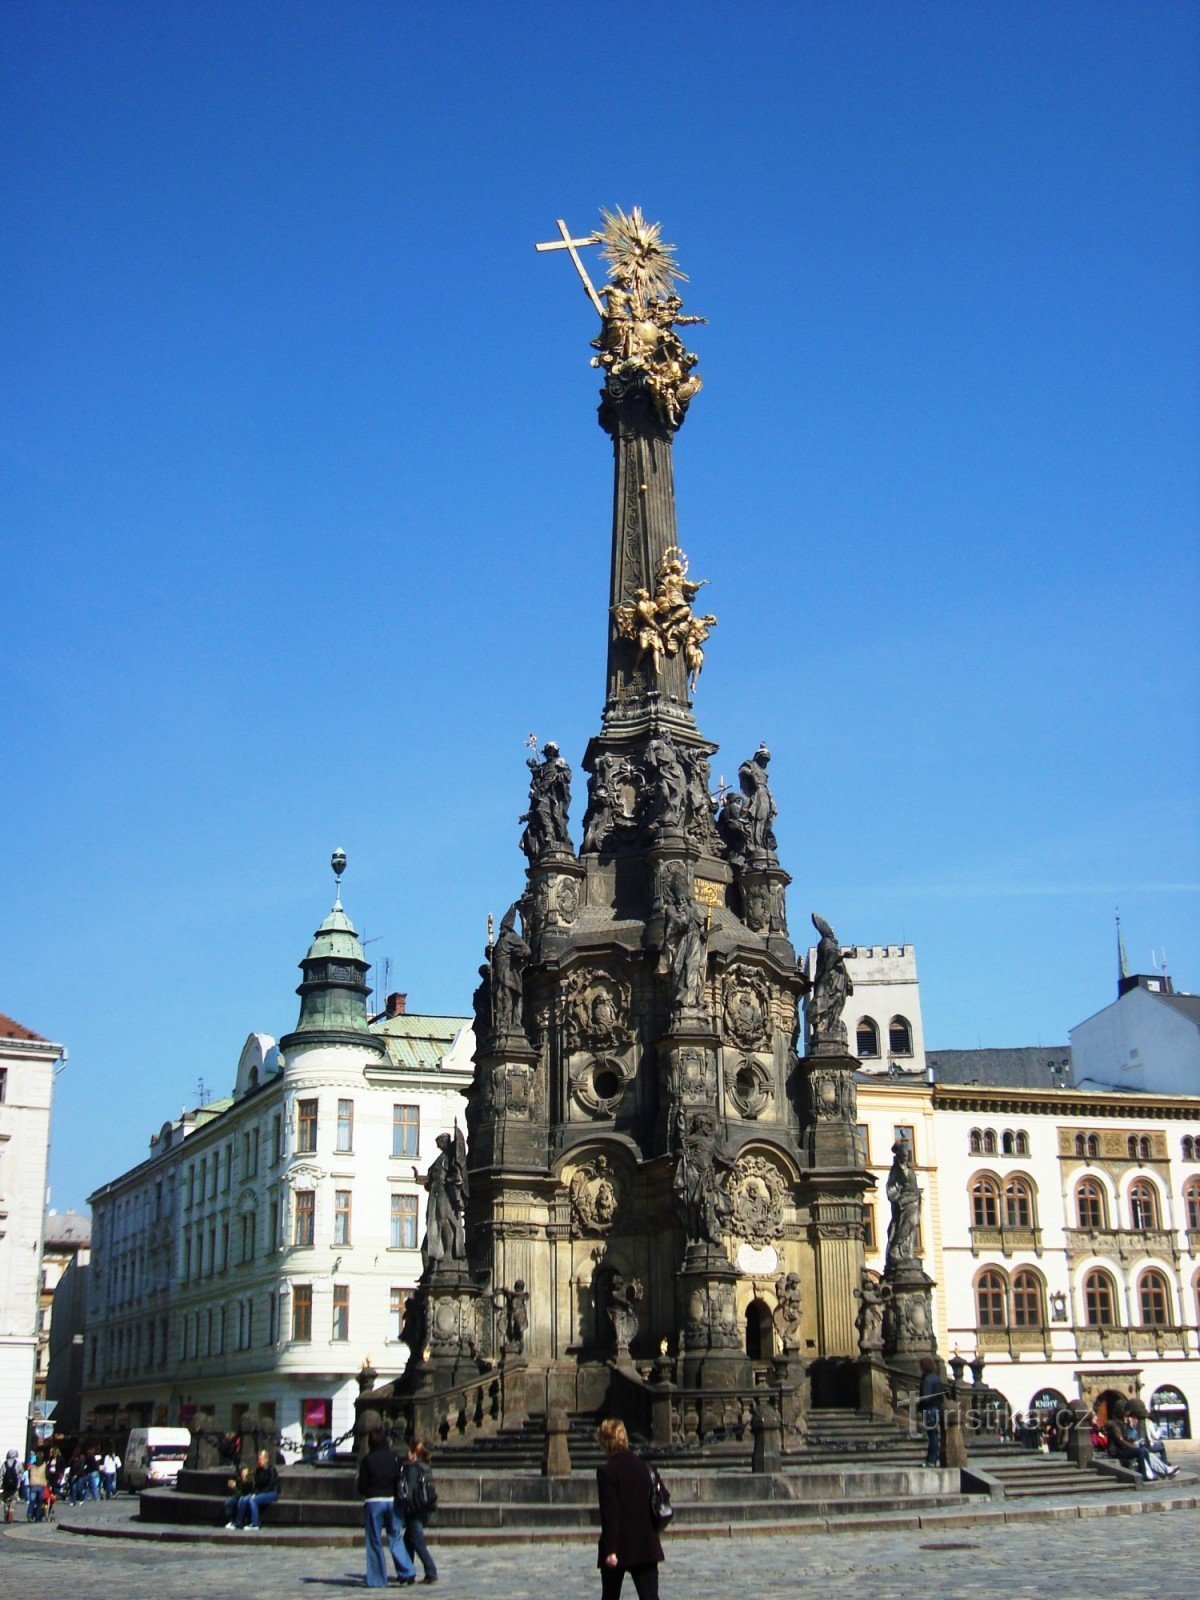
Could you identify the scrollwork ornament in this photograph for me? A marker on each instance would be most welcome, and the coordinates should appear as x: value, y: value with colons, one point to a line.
x: 595, y: 1008
x: 750, y: 1088
x: 596, y: 1193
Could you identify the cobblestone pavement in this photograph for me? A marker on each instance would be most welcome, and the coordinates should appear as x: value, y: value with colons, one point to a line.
x: 1148, y: 1554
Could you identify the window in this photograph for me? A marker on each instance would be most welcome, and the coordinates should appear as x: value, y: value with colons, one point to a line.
x: 341, y: 1311
x: 272, y: 1318
x: 985, y: 1203
x: 1087, y: 1145
x: 1188, y: 1146
x: 228, y: 1167
x: 1145, y: 1149
x: 406, y: 1128
x: 1099, y: 1300
x: 1007, y: 1142
x: 1143, y: 1207
x: 899, y: 1037
x: 868, y: 1227
x: 341, y: 1216
x: 866, y: 1038
x: 1018, y: 1203
x: 862, y: 1138
x: 397, y: 1301
x: 1191, y: 1201
x: 975, y: 1142
x: 224, y: 1245
x: 273, y: 1236
x: 1154, y: 1300
x: 3, y: 1084
x: 345, y: 1127
x: 990, y: 1299
x: 989, y: 1141
x: 276, y: 1139
x: 306, y: 1211
x: 1020, y: 1143
x: 248, y: 1231
x: 404, y: 1222
x: 306, y: 1126
x: 1091, y: 1205
x: 1027, y: 1309
x: 302, y: 1312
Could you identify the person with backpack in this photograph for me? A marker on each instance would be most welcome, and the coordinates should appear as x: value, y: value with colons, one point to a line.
x: 416, y: 1500
x: 10, y: 1484
x: 378, y: 1481
x: 629, y: 1539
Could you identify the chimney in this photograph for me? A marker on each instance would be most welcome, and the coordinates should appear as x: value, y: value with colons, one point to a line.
x: 397, y: 1005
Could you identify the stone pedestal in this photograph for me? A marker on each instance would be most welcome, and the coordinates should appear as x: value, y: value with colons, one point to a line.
x: 764, y: 906
x: 556, y: 1463
x: 556, y: 892
x: 908, y: 1328
x: 711, y: 1349
x: 767, y: 1430
x: 453, y: 1328
x: 505, y: 1131
x: 791, y: 1384
x: 831, y: 1109
x: 1080, y: 1449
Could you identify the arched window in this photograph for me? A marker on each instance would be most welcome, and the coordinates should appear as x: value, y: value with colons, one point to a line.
x: 1099, y: 1300
x: 1006, y: 1142
x: 1091, y: 1206
x: 1191, y: 1202
x: 1143, y: 1206
x: 1145, y: 1149
x: 1027, y: 1306
x: 1080, y: 1145
x: 985, y: 1202
x: 989, y: 1141
x: 1131, y: 1145
x: 1020, y: 1143
x: 866, y: 1038
x: 1018, y: 1203
x: 1170, y: 1410
x: 1093, y: 1146
x: 975, y: 1141
x: 899, y: 1037
x: 1154, y: 1299
x: 990, y: 1299
x: 1189, y: 1147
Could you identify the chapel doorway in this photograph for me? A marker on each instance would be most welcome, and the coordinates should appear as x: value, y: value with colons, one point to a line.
x: 760, y: 1334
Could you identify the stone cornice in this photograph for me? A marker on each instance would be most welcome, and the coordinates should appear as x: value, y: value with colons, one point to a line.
x: 1064, y: 1103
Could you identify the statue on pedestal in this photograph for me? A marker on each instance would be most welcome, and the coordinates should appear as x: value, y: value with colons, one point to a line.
x: 871, y: 1294
x: 831, y: 987
x: 446, y: 1182
x: 509, y: 957
x: 513, y: 1307
x: 684, y: 954
x: 545, y: 822
x: 665, y: 793
x: 786, y: 1316
x: 904, y: 1196
x: 623, y: 1298
x: 760, y: 810
x: 700, y: 1170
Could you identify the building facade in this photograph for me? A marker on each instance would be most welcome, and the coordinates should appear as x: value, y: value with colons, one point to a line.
x: 27, y: 1063
x: 268, y: 1246
x: 62, y: 1308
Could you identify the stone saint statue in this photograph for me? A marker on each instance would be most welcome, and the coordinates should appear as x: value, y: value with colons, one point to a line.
x: 510, y: 956
x: 513, y: 1306
x: 481, y: 1002
x: 549, y: 802
x: 683, y: 960
x: 666, y: 785
x: 786, y: 1316
x: 699, y: 1173
x: 904, y: 1197
x: 871, y: 1293
x: 623, y: 1299
x: 831, y: 987
x: 734, y: 827
x: 604, y: 799
x: 760, y: 809
x: 446, y: 1181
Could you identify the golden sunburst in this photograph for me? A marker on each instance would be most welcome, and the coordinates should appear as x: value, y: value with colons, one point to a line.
x: 635, y: 251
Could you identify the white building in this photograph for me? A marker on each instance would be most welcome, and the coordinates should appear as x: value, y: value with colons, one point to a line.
x: 883, y: 1011
x: 27, y: 1063
x: 269, y: 1244
x: 1148, y: 1039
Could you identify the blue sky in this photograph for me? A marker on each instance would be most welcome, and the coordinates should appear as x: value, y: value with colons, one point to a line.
x: 306, y: 511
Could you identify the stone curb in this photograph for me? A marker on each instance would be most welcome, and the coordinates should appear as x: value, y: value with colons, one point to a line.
x: 968, y: 1516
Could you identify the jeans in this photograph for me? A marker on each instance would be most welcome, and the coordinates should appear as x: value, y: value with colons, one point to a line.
x: 645, y: 1581
x: 33, y: 1503
x: 248, y: 1504
x: 414, y: 1543
x: 382, y: 1525
x: 93, y: 1485
x: 110, y: 1485
x: 932, y: 1421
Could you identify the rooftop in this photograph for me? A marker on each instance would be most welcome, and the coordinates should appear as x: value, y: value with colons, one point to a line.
x: 17, y: 1030
x: 67, y: 1227
x: 1032, y: 1066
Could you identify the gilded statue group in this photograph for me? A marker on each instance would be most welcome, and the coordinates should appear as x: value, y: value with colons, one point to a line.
x: 663, y: 624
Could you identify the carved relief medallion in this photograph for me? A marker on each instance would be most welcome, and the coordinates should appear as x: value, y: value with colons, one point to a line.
x: 756, y: 1191
x: 599, y: 1084
x: 595, y: 1010
x: 747, y: 1007
x: 596, y: 1192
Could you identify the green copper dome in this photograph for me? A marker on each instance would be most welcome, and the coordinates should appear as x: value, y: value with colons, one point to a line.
x: 334, y: 990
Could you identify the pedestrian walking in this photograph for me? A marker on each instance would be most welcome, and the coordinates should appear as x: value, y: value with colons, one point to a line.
x: 109, y: 1468
x: 377, y: 1482
x: 629, y: 1540
x: 416, y: 1497
x: 10, y: 1484
x: 929, y: 1404
x: 35, y: 1489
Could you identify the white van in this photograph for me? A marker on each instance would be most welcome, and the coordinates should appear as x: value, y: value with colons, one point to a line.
x: 155, y: 1455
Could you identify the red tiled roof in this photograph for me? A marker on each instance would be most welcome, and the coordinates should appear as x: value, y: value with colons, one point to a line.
x: 17, y: 1030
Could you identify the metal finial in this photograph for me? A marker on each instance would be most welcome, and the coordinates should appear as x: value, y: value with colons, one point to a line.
x: 338, y: 862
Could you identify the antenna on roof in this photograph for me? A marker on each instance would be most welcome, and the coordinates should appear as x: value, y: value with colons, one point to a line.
x: 201, y: 1092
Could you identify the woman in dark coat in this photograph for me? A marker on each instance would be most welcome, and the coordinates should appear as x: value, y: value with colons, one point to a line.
x: 628, y: 1538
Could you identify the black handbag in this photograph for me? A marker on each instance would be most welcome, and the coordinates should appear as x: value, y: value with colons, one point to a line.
x: 661, y: 1509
